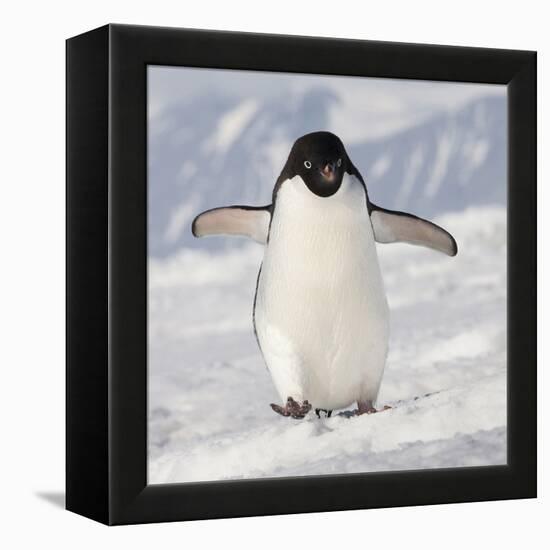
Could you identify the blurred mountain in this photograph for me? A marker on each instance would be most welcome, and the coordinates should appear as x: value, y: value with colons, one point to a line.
x: 450, y: 162
x: 214, y: 152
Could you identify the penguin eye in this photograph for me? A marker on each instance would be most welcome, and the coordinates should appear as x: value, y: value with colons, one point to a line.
x: 307, y: 164
x: 339, y: 163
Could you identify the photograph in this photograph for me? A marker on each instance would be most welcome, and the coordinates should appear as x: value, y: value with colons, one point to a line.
x: 274, y: 275
x: 326, y: 274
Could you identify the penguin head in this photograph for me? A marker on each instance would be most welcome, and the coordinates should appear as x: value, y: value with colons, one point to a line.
x: 320, y: 159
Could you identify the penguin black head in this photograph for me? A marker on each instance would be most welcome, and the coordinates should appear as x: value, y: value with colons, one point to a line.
x: 320, y: 159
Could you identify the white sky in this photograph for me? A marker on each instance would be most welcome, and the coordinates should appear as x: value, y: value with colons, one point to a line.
x: 376, y: 107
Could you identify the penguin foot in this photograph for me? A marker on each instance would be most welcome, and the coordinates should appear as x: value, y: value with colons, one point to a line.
x: 318, y: 412
x: 292, y: 408
x: 366, y: 407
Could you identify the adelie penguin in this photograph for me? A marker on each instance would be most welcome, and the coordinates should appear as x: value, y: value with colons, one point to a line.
x: 320, y: 311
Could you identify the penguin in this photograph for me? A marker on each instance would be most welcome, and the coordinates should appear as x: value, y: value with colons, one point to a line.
x: 320, y: 312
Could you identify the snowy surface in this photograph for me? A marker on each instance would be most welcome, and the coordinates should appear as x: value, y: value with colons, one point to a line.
x: 209, y: 391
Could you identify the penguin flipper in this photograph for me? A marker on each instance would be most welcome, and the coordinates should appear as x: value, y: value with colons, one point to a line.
x: 245, y: 221
x: 393, y: 227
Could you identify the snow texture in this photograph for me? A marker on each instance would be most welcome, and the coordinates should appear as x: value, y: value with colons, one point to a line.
x: 209, y: 390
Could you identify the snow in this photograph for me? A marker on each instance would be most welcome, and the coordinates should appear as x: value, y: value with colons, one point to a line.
x: 231, y: 126
x: 412, y: 170
x: 475, y: 152
x: 381, y: 166
x: 209, y: 391
x: 180, y: 218
x: 443, y: 155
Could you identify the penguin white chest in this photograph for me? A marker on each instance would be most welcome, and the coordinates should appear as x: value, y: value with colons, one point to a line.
x: 321, y: 314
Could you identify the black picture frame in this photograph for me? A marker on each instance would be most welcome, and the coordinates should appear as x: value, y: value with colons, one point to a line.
x: 106, y: 453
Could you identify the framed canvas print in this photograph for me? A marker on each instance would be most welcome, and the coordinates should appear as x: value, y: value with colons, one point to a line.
x: 301, y: 274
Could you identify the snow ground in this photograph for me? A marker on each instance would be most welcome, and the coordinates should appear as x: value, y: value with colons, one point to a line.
x: 209, y: 391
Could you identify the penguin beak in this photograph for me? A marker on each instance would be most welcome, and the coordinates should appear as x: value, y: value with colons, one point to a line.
x: 328, y: 171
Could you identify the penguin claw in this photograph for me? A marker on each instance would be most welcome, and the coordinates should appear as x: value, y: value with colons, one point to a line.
x: 327, y: 412
x: 279, y: 410
x: 292, y: 408
x: 370, y: 410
